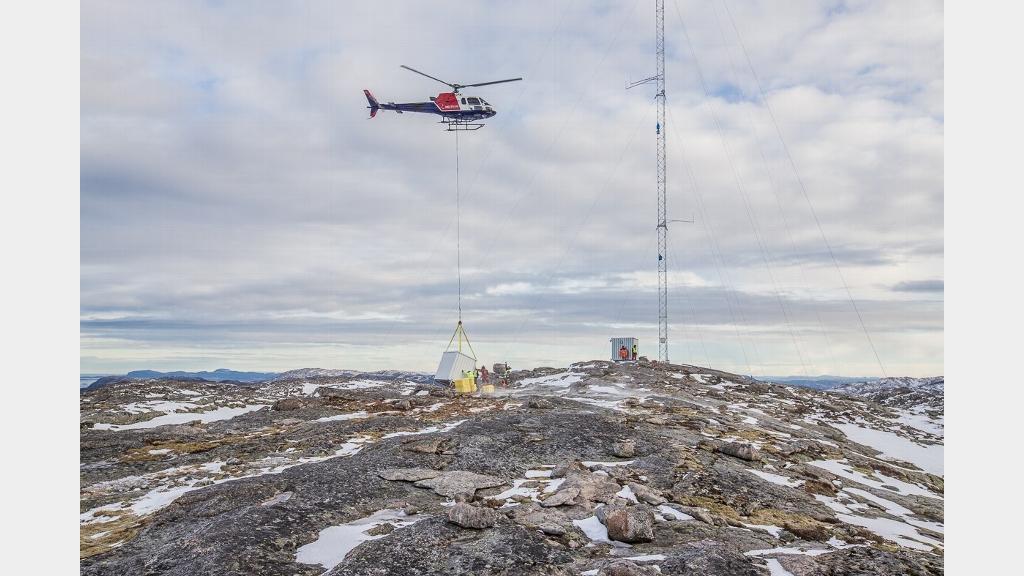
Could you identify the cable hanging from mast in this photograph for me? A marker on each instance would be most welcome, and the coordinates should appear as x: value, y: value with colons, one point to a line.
x: 802, y: 187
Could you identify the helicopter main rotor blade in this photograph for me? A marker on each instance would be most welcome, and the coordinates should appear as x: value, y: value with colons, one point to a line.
x: 428, y: 76
x: 489, y: 83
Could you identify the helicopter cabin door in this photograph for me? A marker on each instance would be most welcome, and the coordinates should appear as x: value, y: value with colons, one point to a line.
x: 473, y: 103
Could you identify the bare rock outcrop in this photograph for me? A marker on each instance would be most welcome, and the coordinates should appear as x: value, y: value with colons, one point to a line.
x: 469, y: 516
x: 459, y: 485
x: 630, y: 524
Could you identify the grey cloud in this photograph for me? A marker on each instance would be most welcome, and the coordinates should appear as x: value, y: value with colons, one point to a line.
x: 234, y: 194
x: 920, y: 286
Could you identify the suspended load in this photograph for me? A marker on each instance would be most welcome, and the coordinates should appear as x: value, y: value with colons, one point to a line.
x: 456, y: 367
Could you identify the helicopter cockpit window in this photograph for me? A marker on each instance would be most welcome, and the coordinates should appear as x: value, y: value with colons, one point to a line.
x: 474, y: 101
x: 463, y: 100
x: 485, y: 102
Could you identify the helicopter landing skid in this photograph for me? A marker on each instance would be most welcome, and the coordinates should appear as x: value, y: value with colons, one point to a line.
x: 460, y: 125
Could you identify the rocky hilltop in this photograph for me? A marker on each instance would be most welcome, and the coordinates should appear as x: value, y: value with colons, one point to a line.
x: 597, y: 469
x: 916, y: 394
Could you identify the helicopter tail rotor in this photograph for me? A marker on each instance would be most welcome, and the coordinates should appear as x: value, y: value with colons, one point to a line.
x: 374, y: 105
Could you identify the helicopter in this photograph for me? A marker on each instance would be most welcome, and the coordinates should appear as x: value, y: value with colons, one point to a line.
x: 457, y: 111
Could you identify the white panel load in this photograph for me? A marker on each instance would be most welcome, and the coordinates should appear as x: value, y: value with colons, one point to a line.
x: 453, y: 365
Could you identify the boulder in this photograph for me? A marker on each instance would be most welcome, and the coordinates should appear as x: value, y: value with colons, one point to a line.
x: 459, y: 485
x: 469, y: 516
x: 594, y: 487
x: 438, y: 445
x: 564, y: 496
x: 739, y: 450
x: 624, y: 449
x: 602, y: 511
x: 698, y: 513
x: 551, y: 529
x: 646, y: 494
x: 631, y: 524
x: 562, y: 470
x: 540, y: 403
x: 381, y: 529
x: 584, y: 486
x: 288, y: 404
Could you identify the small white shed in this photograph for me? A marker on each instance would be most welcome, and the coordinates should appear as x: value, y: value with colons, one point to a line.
x: 453, y: 365
x: 628, y: 343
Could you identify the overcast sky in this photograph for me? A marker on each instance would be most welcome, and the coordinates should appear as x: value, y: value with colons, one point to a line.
x: 239, y: 210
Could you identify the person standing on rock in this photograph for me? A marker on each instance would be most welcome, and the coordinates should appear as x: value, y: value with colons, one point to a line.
x: 634, y: 351
x: 623, y: 353
x: 484, y: 376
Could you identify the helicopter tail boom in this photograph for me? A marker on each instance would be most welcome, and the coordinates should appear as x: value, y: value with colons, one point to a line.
x: 374, y: 105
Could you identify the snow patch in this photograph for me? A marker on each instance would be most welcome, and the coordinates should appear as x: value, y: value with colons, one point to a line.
x: 348, y: 416
x: 776, y: 478
x: 335, y: 542
x: 627, y: 493
x: 646, y: 558
x: 894, y: 531
x: 773, y: 530
x: 844, y: 470
x: 561, y: 379
x: 776, y: 569
x: 926, y: 457
x: 597, y: 532
x: 595, y: 463
x: 183, y: 417
x: 667, y: 510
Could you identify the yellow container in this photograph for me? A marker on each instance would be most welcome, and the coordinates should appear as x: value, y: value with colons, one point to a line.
x: 487, y: 388
x: 465, y: 385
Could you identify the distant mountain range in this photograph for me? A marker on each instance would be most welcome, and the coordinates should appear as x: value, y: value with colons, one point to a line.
x: 916, y: 395
x: 884, y: 388
x: 817, y: 382
x: 93, y: 382
x: 218, y: 375
x: 215, y: 376
x: 322, y: 373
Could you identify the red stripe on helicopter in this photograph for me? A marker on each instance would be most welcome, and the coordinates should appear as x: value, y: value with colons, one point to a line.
x: 447, y: 102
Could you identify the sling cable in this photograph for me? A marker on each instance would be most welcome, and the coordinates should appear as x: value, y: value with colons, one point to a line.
x: 457, y: 367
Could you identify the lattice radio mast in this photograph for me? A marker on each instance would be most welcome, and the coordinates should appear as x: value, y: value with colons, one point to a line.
x: 659, y: 80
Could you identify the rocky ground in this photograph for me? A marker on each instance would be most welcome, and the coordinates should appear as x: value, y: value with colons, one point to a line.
x: 598, y: 469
